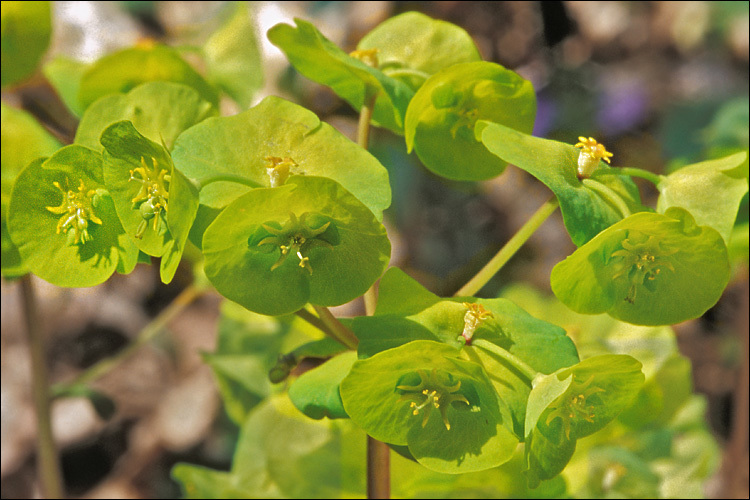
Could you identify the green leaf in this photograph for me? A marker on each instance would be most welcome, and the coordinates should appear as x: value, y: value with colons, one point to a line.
x: 65, y: 75
x: 316, y: 392
x: 413, y: 313
x: 128, y: 68
x: 64, y: 222
x: 472, y: 433
x: 135, y: 172
x: 160, y: 111
x: 575, y: 402
x: 23, y: 140
x: 26, y: 32
x: 585, y: 207
x: 441, y: 117
x: 233, y: 57
x: 648, y: 269
x: 240, y: 145
x: 413, y: 46
x: 322, y: 61
x: 711, y: 191
x: 328, y: 234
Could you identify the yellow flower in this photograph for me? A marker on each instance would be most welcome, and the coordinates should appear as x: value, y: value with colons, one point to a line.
x: 591, y: 153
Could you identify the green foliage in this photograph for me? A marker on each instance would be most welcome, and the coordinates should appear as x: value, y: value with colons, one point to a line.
x: 160, y: 111
x: 473, y: 433
x: 413, y: 46
x: 442, y: 116
x: 128, y: 68
x: 63, y: 220
x: 275, y: 249
x: 320, y: 60
x: 287, y: 214
x: 155, y: 202
x: 23, y: 140
x: 245, y: 145
x: 587, y: 209
x: 694, y: 188
x: 26, y: 32
x: 233, y: 58
x: 648, y: 269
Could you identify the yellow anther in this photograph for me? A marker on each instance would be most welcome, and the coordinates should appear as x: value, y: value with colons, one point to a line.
x: 77, y: 209
x: 475, y: 315
x: 367, y: 56
x: 591, y: 153
x: 279, y: 169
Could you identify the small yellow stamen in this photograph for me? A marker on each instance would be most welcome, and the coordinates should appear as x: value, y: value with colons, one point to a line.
x: 367, y: 56
x: 475, y: 315
x: 591, y: 153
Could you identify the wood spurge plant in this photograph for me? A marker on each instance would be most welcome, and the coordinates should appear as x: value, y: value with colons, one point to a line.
x: 285, y: 216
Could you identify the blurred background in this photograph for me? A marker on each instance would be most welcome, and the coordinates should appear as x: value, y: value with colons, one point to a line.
x: 662, y: 84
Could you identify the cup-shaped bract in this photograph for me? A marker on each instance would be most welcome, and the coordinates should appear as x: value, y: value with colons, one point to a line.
x: 128, y: 68
x: 64, y: 223
x: 572, y: 403
x: 648, y: 269
x: 441, y: 117
x: 155, y: 201
x: 272, y: 250
x: 711, y: 191
x: 443, y: 408
x: 267, y: 143
x: 408, y: 312
x: 412, y: 46
x: 320, y: 60
x: 588, y: 206
x: 158, y: 110
x: 23, y: 140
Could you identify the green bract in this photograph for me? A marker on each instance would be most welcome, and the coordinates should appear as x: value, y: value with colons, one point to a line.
x: 648, y: 269
x: 413, y: 46
x: 233, y: 57
x: 274, y: 249
x: 573, y: 403
x: 441, y: 117
x: 65, y: 76
x: 316, y: 392
x: 443, y: 408
x: 155, y: 201
x: 322, y: 61
x: 23, y: 140
x: 128, y: 68
x: 588, y: 206
x: 407, y: 312
x: 158, y: 110
x: 710, y: 190
x: 269, y: 142
x: 64, y: 223
x: 26, y: 31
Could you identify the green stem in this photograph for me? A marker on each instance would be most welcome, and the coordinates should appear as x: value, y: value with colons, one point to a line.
x: 337, y: 330
x: 48, y: 467
x: 314, y: 321
x: 609, y: 195
x: 378, y: 469
x: 655, y: 179
x: 363, y: 140
x: 511, y: 247
x: 528, y: 372
x: 378, y: 453
x: 225, y: 178
x: 185, y: 298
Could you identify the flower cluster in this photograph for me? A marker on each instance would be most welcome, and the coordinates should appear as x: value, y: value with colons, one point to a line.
x: 151, y: 199
x: 77, y: 209
x: 591, y: 153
